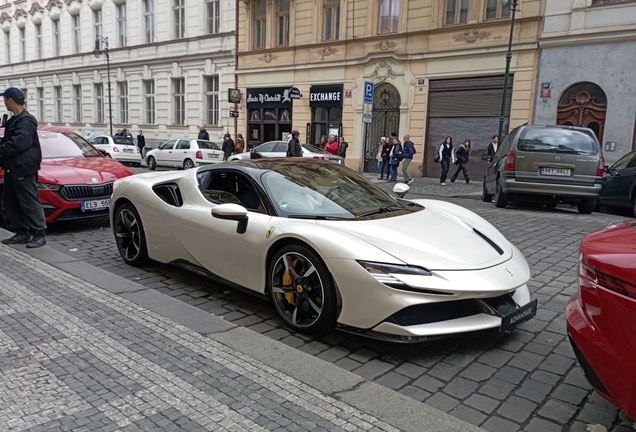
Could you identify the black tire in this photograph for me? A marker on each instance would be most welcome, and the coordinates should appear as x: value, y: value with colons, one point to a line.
x: 130, y: 236
x: 485, y: 196
x: 152, y: 163
x: 501, y: 199
x: 304, y: 298
x: 586, y: 205
x: 137, y: 164
x: 188, y: 164
x: 551, y: 205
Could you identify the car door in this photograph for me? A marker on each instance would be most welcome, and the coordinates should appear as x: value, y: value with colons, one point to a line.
x: 280, y: 149
x: 164, y: 152
x: 214, y: 243
x: 181, y: 152
x: 618, y: 183
x: 266, y: 149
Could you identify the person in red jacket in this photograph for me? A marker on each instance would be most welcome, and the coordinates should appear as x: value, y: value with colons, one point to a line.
x: 332, y: 146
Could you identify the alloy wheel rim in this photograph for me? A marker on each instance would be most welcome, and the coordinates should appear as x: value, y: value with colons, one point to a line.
x: 151, y: 161
x: 298, y: 290
x: 188, y: 164
x: 127, y: 234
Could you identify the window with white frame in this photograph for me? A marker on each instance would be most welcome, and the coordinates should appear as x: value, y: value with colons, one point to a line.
x: 149, y: 20
x: 149, y: 101
x: 178, y: 100
x: 57, y: 98
x: 56, y: 38
x: 22, y: 45
x: 213, y: 9
x: 38, y: 41
x: 99, y: 103
x: 331, y: 20
x: 260, y: 24
x: 77, y: 103
x: 122, y: 90
x: 494, y: 9
x: 212, y: 99
x: 282, y: 23
x: 40, y: 94
x: 7, y: 48
x: 97, y: 23
x: 389, y: 16
x: 178, y: 13
x: 77, y: 34
x: 122, y: 25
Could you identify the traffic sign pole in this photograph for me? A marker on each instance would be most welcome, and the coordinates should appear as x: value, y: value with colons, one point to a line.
x: 367, y: 116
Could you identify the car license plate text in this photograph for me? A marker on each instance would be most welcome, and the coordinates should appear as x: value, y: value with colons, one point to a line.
x: 519, y: 316
x: 213, y: 156
x: 95, y: 205
x: 556, y: 171
x: 128, y: 150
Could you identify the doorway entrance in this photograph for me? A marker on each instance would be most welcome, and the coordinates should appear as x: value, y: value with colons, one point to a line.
x: 583, y: 104
x: 386, y: 119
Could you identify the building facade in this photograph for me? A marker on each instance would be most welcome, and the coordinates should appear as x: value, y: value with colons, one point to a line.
x: 437, y: 67
x: 171, y: 64
x: 587, y: 70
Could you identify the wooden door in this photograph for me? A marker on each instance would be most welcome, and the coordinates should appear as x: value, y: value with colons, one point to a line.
x: 583, y: 110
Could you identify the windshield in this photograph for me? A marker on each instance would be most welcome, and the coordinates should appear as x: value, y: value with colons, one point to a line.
x: 65, y: 145
x: 557, y: 140
x: 314, y: 149
x: 321, y: 190
x: 122, y: 141
x: 208, y: 145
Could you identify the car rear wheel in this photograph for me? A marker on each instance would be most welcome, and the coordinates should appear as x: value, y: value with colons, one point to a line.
x: 187, y: 164
x: 501, y: 198
x: 485, y: 196
x: 130, y: 236
x: 152, y: 164
x: 586, y: 205
x: 302, y: 289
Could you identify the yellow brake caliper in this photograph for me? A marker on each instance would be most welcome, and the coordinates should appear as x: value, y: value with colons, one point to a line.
x: 287, y: 280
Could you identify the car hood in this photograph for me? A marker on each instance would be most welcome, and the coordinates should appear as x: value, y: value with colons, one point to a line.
x: 433, y: 239
x: 82, y: 170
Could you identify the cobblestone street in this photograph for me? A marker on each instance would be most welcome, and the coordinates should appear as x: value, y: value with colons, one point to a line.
x: 527, y: 380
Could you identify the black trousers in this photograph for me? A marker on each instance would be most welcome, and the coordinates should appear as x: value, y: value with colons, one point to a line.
x: 461, y: 167
x: 445, y: 163
x: 22, y: 204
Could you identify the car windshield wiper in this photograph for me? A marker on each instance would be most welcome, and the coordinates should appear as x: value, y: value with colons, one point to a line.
x: 317, y: 217
x: 381, y: 210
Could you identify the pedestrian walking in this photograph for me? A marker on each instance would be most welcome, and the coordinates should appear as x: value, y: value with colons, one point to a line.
x: 462, y: 155
x: 492, y: 147
x: 293, y: 147
x: 332, y: 146
x: 227, y: 146
x: 203, y: 134
x: 386, y: 157
x: 141, y: 142
x: 396, y: 158
x: 408, y: 150
x: 240, y: 144
x: 21, y: 156
x: 342, y: 149
x: 446, y: 156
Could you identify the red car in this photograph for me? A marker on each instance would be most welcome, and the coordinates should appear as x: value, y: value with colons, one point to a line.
x: 601, y: 316
x: 75, y: 180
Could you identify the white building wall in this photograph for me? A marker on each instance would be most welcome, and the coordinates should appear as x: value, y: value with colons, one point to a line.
x: 198, y: 55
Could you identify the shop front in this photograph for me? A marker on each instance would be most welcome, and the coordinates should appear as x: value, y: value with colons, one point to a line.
x: 325, y: 102
x: 269, y: 115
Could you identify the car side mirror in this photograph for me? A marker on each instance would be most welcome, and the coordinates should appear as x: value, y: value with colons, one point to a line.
x: 233, y: 212
x: 607, y: 169
x: 400, y: 190
x: 486, y: 157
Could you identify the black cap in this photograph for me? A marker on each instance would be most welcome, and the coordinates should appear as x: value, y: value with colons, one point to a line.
x: 14, y: 93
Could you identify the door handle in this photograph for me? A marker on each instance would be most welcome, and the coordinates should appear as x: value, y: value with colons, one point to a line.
x: 170, y: 151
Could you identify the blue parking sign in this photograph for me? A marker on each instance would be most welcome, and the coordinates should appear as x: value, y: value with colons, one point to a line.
x: 368, y: 91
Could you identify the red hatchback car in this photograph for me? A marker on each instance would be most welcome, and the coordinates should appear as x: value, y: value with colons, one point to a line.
x: 75, y: 180
x: 601, y: 316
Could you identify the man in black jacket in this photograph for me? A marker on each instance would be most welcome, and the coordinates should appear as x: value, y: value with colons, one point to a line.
x: 141, y: 142
x: 21, y: 157
x: 227, y: 146
x: 293, y: 147
x: 203, y: 134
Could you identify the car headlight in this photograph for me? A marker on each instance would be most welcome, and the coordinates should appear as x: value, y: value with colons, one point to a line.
x: 49, y: 186
x: 383, y: 273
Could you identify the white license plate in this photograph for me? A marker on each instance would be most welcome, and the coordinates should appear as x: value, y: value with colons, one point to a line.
x: 555, y: 171
x: 128, y: 151
x: 213, y: 156
x: 95, y: 205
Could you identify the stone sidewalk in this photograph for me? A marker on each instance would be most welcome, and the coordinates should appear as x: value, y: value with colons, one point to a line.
x: 82, y: 349
x: 430, y: 187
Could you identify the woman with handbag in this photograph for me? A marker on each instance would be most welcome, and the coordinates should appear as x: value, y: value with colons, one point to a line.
x: 386, y: 156
x: 462, y: 155
x: 446, y: 156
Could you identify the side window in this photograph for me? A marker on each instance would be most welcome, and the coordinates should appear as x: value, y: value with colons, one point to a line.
x: 506, y: 145
x: 167, y: 145
x: 232, y: 188
x: 280, y: 147
x: 632, y: 163
x: 183, y: 145
x: 627, y: 161
x: 98, y: 140
x: 267, y: 147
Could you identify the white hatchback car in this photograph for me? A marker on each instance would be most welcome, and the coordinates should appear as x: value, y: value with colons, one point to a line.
x: 121, y: 149
x: 184, y: 153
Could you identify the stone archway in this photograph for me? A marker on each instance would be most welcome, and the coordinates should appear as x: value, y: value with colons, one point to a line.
x: 386, y: 119
x: 583, y: 104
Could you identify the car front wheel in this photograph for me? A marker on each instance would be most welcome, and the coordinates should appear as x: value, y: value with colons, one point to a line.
x: 130, y: 236
x: 302, y: 289
x: 152, y: 164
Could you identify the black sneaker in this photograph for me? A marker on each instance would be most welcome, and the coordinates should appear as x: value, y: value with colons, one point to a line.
x: 17, y: 239
x: 36, y: 242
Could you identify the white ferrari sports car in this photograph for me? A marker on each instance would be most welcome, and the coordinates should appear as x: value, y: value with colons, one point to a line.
x: 328, y: 246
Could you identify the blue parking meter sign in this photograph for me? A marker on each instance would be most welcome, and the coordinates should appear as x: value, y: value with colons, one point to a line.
x: 368, y: 91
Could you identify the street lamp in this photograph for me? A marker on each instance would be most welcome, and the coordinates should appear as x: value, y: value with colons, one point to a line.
x: 513, y: 4
x: 98, y: 51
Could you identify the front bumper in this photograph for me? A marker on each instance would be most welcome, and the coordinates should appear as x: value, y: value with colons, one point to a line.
x: 58, y: 209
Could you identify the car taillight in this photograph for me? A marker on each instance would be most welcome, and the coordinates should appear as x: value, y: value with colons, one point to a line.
x: 606, y: 281
x: 510, y: 161
x: 115, y: 149
x: 319, y: 157
x: 600, y: 172
x: 137, y: 148
x: 199, y: 154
